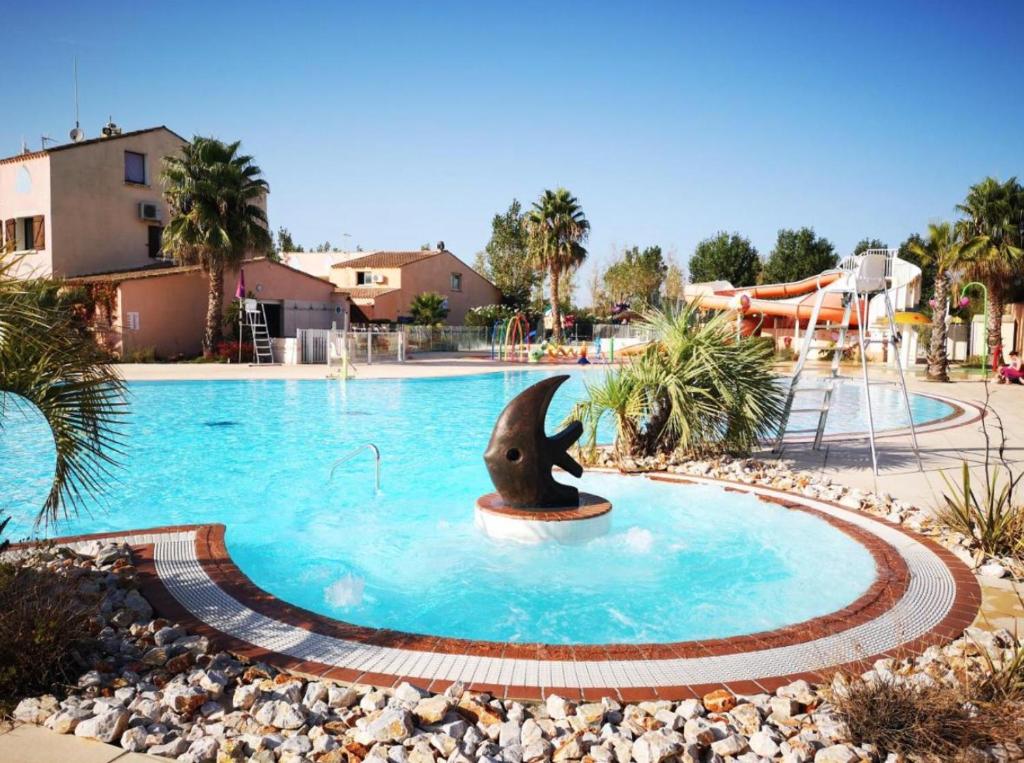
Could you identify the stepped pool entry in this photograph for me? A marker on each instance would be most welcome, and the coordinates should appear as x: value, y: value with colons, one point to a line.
x: 669, y: 576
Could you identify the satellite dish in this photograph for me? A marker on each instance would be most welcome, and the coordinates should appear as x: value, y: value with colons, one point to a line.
x: 77, y: 135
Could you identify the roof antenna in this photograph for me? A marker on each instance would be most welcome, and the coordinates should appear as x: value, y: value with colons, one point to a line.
x: 77, y: 135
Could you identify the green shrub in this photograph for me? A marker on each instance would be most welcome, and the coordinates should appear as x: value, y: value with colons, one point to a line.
x: 486, y: 315
x: 698, y: 390
x: 140, y: 355
x: 43, y: 624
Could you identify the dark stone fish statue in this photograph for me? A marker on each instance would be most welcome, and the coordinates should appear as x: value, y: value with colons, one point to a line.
x: 520, y: 456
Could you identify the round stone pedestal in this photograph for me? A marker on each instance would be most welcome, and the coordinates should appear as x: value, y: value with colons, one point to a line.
x: 574, y: 524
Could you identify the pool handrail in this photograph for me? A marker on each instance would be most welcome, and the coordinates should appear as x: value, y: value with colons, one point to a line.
x: 352, y: 454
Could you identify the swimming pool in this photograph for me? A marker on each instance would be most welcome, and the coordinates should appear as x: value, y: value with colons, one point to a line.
x: 678, y: 563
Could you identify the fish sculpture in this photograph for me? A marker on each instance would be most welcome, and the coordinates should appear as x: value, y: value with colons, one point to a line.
x: 520, y: 455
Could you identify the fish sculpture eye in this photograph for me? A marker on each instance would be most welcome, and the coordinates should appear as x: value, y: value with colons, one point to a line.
x: 520, y: 456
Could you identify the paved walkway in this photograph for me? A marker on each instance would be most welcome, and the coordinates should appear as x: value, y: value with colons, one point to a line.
x: 849, y: 461
x: 34, y: 744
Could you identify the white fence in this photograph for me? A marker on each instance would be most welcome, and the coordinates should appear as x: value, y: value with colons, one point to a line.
x: 623, y: 331
x: 447, y: 338
x: 330, y: 346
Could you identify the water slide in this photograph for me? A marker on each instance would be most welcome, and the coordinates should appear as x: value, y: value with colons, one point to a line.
x: 784, y: 300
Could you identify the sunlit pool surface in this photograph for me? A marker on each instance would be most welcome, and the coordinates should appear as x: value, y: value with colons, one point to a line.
x: 680, y: 562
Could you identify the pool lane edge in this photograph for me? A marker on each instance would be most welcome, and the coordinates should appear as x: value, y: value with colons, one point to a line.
x: 188, y: 576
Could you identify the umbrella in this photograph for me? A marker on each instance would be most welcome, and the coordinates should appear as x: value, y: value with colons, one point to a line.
x: 240, y: 289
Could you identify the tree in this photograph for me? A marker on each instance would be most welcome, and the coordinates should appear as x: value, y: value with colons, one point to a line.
x: 674, y: 282
x: 869, y: 243
x: 324, y: 247
x: 725, y: 257
x: 637, y: 277
x: 697, y: 391
x: 47, y: 361
x: 505, y: 261
x: 996, y: 211
x: 947, y: 253
x: 556, y: 229
x: 215, y: 196
x: 429, y: 309
x: 798, y: 254
x: 285, y: 242
x: 908, y: 251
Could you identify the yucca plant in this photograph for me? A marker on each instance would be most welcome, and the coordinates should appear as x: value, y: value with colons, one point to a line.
x: 699, y: 389
x: 991, y: 518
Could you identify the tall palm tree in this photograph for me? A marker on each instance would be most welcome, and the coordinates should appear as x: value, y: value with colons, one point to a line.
x: 216, y: 217
x: 951, y: 254
x: 994, y: 210
x: 47, y: 361
x: 557, y: 228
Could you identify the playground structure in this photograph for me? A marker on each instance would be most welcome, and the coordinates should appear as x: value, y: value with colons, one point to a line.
x: 510, y: 339
x: 513, y: 340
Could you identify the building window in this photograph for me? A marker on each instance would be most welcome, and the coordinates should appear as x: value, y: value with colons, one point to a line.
x: 155, y: 240
x: 363, y: 278
x: 24, y: 234
x: 134, y: 168
x: 456, y: 281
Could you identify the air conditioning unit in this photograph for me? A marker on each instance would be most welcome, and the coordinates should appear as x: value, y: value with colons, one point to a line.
x: 377, y: 278
x: 148, y: 211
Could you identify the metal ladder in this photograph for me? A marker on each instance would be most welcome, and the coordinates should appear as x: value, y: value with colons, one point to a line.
x: 853, y: 294
x: 352, y: 454
x: 256, y: 317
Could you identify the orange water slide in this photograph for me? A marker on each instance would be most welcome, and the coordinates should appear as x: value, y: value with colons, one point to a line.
x: 784, y: 300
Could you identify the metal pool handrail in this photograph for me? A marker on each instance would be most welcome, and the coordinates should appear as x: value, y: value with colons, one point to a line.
x: 349, y: 456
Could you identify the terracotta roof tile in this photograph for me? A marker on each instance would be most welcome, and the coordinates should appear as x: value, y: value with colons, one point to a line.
x: 388, y: 259
x: 101, y: 139
x: 367, y: 292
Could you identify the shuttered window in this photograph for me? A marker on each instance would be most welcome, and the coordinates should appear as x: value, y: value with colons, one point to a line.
x: 38, y: 233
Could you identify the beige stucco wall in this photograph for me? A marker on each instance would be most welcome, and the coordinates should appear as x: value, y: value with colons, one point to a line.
x: 96, y: 225
x: 172, y: 307
x: 25, y: 192
x: 434, y: 274
x: 345, y: 278
x: 429, y: 274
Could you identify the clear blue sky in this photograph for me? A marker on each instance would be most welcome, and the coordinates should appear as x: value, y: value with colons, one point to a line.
x: 401, y: 124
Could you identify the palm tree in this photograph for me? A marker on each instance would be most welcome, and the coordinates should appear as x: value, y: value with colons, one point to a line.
x: 994, y: 210
x: 428, y: 309
x: 698, y: 390
x: 951, y: 254
x: 47, y: 361
x: 557, y: 228
x: 215, y: 195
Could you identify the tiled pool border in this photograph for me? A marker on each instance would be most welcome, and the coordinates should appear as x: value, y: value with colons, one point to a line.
x: 188, y: 576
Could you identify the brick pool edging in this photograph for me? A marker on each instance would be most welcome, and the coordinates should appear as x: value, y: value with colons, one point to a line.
x: 189, y: 577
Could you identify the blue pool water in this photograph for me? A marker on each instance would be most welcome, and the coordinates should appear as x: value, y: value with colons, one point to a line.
x: 680, y: 562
